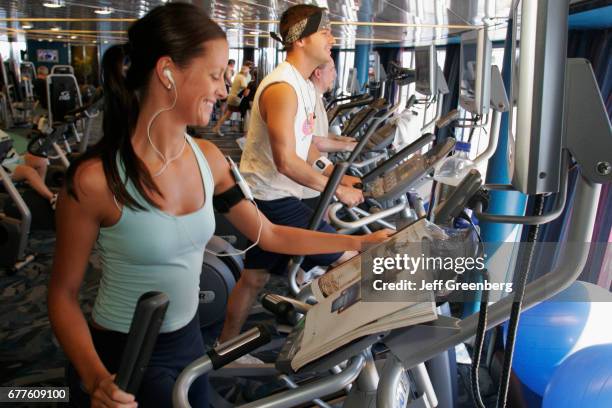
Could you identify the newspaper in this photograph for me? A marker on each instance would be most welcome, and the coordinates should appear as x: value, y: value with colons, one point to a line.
x: 350, y: 271
x: 341, y: 315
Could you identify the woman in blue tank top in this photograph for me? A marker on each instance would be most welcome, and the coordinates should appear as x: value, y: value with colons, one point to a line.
x: 143, y: 196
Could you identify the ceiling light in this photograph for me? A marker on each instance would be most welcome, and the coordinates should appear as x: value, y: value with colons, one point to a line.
x: 54, y: 3
x: 60, y: 36
x: 105, y: 41
x: 26, y: 26
x: 104, y: 10
x: 73, y: 37
x: 55, y: 29
x: 94, y: 41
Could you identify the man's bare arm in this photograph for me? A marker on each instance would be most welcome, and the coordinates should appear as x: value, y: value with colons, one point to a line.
x: 331, y: 144
x: 278, y: 106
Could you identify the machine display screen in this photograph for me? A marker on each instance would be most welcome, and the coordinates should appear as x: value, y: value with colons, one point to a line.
x: 352, y: 82
x: 425, y: 58
x: 475, y: 72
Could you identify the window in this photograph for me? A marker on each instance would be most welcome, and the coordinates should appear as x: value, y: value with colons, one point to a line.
x: 405, y: 91
x: 280, y: 57
x: 236, y: 55
x: 346, y: 61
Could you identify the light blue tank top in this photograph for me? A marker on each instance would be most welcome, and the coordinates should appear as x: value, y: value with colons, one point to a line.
x: 154, y: 251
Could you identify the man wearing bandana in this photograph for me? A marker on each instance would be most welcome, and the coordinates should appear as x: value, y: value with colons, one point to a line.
x: 279, y: 159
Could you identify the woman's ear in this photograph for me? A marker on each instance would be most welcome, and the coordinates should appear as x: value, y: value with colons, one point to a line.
x: 165, y: 70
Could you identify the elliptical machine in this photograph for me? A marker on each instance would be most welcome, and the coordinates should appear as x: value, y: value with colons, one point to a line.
x: 218, y: 278
x: 13, y: 231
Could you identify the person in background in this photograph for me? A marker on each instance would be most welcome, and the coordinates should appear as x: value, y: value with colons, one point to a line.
x: 246, y: 102
x: 279, y: 159
x: 28, y: 168
x: 323, y: 78
x: 229, y: 73
x: 40, y: 85
x: 238, y: 91
x: 228, y: 76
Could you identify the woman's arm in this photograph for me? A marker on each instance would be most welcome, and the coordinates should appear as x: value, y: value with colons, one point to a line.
x: 78, y: 224
x: 278, y: 238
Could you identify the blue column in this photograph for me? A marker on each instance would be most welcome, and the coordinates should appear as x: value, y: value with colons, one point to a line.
x: 362, y: 54
x: 362, y: 51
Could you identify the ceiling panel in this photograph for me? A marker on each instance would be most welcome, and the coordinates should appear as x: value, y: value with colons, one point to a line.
x: 408, y: 22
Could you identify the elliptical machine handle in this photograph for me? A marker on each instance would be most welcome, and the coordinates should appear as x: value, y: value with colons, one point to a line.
x: 284, y: 311
x: 326, y: 198
x: 146, y: 323
x: 218, y: 357
x: 239, y: 346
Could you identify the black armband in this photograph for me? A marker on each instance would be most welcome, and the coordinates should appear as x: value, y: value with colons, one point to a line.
x: 223, y: 202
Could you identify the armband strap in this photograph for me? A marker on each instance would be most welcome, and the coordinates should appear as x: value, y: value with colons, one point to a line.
x: 225, y: 201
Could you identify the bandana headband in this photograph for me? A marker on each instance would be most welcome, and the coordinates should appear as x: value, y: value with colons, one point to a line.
x: 303, y: 28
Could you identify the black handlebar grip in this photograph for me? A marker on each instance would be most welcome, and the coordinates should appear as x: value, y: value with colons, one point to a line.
x: 328, y: 194
x: 144, y: 329
x: 458, y: 200
x: 411, y: 101
x: 358, y: 186
x: 284, y: 311
x: 237, y: 347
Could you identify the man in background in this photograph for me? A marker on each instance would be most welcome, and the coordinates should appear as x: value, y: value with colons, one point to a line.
x: 40, y: 85
x: 323, y: 78
x: 237, y: 91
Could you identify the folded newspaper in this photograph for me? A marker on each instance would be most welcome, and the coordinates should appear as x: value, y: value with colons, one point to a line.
x: 341, y: 315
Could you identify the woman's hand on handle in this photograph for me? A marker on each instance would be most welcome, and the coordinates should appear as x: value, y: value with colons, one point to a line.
x: 375, y: 238
x: 106, y: 394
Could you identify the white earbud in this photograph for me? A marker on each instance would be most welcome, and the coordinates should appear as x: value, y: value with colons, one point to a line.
x: 168, y: 74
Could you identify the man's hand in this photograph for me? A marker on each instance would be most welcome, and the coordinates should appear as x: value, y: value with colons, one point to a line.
x: 350, y: 181
x: 349, y: 143
x: 350, y: 146
x: 345, y: 139
x: 349, y: 196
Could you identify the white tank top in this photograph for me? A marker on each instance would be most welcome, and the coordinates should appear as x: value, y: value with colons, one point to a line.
x: 257, y: 163
x: 321, y: 129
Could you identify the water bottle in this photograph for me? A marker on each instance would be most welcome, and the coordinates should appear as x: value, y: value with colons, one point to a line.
x: 451, y: 171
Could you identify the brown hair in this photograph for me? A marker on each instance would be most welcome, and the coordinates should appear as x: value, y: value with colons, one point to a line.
x: 292, y: 16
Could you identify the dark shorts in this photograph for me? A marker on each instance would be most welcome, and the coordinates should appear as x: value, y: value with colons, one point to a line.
x: 292, y: 212
x: 312, y: 203
x: 172, y: 353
